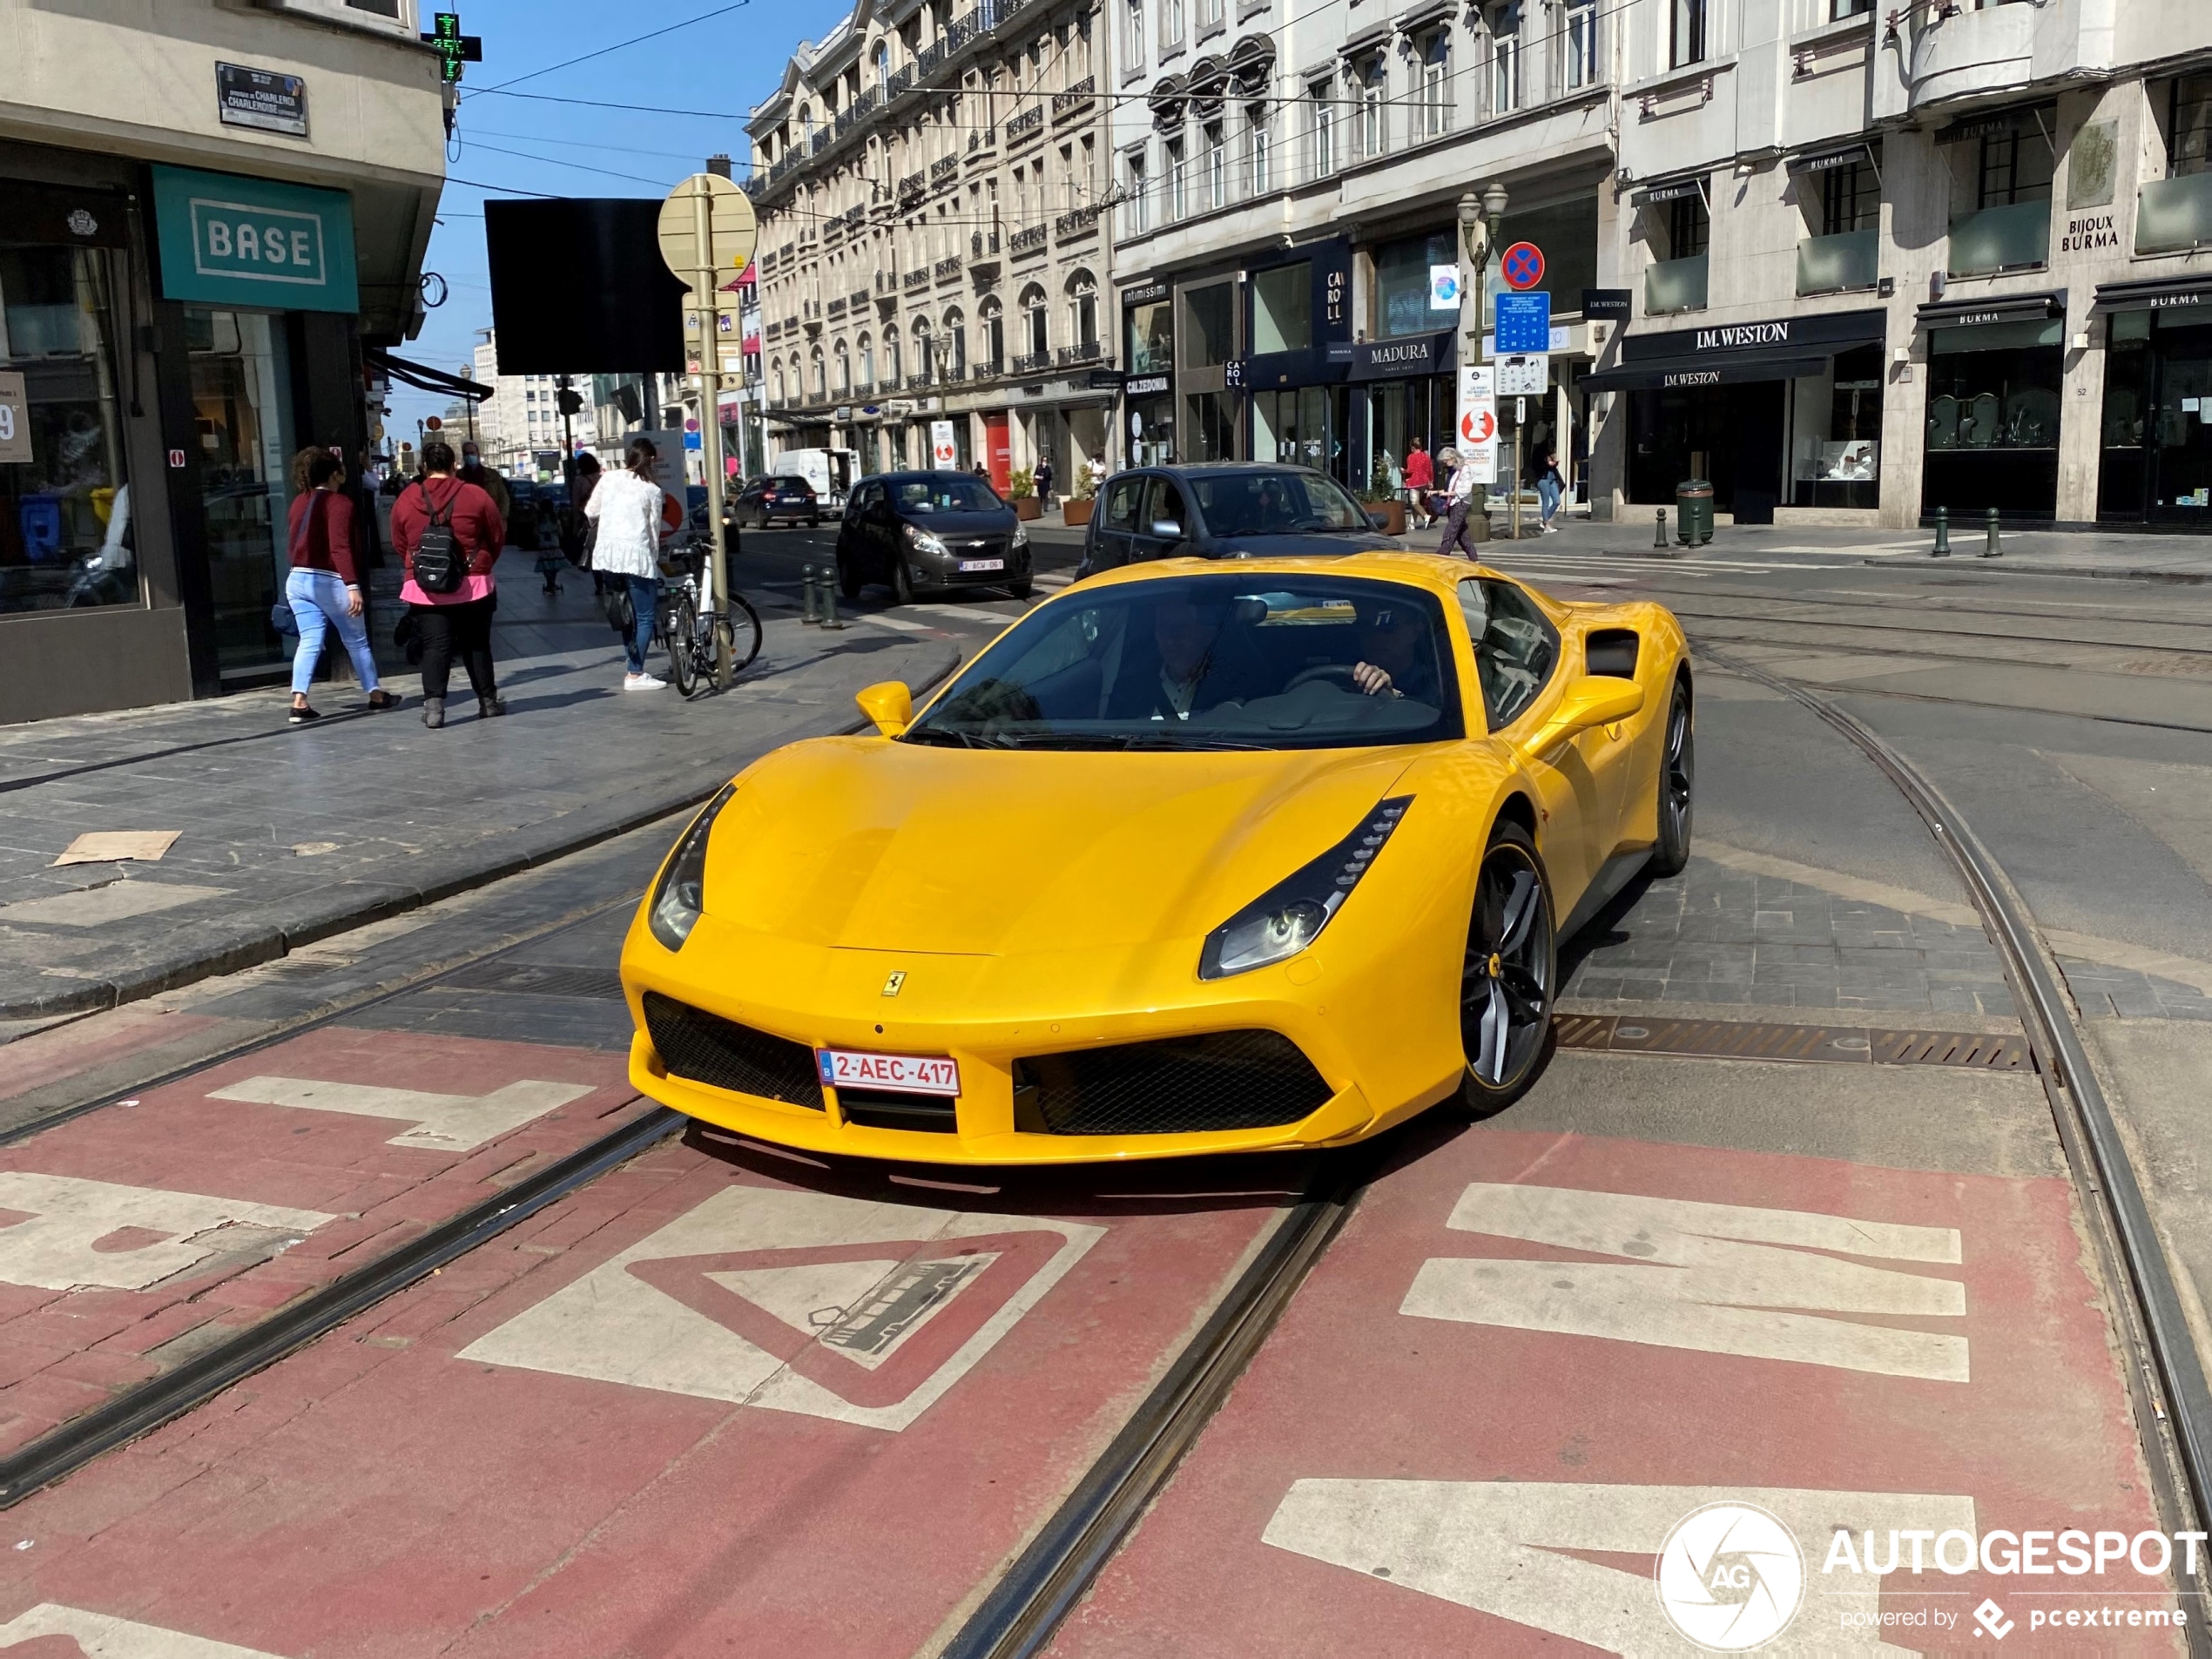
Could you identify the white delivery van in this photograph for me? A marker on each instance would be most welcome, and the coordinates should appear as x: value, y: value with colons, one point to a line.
x: 830, y: 471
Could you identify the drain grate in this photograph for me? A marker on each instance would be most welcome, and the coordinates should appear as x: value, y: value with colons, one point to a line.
x: 1838, y: 1044
x: 528, y: 979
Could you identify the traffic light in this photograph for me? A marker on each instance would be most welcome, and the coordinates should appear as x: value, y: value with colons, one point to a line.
x: 571, y: 402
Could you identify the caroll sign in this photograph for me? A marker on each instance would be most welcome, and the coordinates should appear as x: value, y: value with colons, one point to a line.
x: 230, y: 240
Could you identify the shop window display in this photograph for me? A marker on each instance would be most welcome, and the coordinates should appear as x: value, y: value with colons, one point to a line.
x: 240, y: 373
x: 1993, y: 421
x: 1837, y: 445
x: 2156, y: 450
x: 67, y: 536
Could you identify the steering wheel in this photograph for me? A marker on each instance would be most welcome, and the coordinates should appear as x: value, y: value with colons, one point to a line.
x: 1339, y: 673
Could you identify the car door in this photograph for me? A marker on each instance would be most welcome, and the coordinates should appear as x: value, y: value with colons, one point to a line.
x: 1111, y: 527
x: 1165, y: 507
x: 852, y: 532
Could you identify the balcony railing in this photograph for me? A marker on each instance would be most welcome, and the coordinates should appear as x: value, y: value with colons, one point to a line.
x: 2174, y: 213
x: 1035, y: 362
x: 981, y: 246
x: 911, y: 187
x: 1028, y: 122
x: 947, y: 267
x: 1076, y: 97
x: 943, y: 168
x: 986, y: 139
x: 856, y: 300
x: 886, y: 282
x: 928, y: 58
x: 915, y: 382
x: 1087, y: 352
x: 1027, y: 240
x: 1675, y: 285
x: 1832, y: 263
x: 837, y: 308
x: 2000, y: 239
x: 1074, y: 224
x: 902, y: 80
x: 917, y: 278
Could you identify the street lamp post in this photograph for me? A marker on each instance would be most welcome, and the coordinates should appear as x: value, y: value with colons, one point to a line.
x: 1478, y: 221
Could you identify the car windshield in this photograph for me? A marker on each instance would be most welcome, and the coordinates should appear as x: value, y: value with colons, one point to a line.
x: 1212, y: 661
x: 1288, y: 502
x: 793, y: 484
x: 948, y: 494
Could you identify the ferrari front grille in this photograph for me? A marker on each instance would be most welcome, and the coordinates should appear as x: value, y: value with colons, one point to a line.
x: 705, y: 1048
x: 1178, y: 1086
x: 880, y: 1109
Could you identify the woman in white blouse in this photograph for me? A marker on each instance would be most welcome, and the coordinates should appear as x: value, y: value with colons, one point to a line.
x: 633, y: 514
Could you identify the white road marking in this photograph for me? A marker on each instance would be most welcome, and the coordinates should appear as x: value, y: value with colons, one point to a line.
x: 968, y: 613
x: 1706, y: 1275
x: 1055, y: 579
x: 901, y: 623
x: 101, y: 1635
x: 614, y: 1326
x: 54, y: 1249
x: 442, y: 1123
x: 1489, y: 1544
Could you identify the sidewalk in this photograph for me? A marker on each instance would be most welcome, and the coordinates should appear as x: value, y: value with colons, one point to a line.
x: 289, y: 834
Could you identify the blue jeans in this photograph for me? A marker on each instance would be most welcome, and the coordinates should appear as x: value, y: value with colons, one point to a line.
x: 1548, y: 494
x: 318, y: 602
x: 644, y: 593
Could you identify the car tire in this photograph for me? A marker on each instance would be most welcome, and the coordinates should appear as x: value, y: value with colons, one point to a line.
x: 849, y: 581
x: 1676, y: 785
x: 1023, y: 589
x: 902, y: 581
x: 814, y: 522
x: 1510, y: 974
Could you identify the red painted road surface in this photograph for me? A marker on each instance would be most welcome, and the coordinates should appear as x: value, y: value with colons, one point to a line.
x: 1543, y: 1444
x: 695, y: 1408
x: 135, y: 1236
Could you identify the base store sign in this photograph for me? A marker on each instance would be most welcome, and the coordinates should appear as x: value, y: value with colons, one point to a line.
x: 1478, y: 427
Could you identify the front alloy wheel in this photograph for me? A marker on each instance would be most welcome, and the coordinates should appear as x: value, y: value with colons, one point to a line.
x: 1506, y: 985
x: 1677, y: 773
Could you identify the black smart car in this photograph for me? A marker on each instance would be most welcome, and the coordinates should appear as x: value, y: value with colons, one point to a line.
x: 778, y: 496
x: 930, y: 531
x: 1225, y: 510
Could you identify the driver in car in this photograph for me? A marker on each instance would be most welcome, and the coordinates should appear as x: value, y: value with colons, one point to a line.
x: 1392, y: 661
x: 1182, y: 675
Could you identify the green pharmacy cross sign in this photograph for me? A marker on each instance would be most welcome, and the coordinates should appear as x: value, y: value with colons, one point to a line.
x: 453, y: 49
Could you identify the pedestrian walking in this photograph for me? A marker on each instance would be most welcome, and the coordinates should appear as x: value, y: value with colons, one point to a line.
x: 576, y: 539
x: 1551, y: 488
x: 1043, y: 478
x: 448, y: 533
x: 324, y: 586
x: 633, y: 514
x: 1420, y: 478
x: 1460, y: 494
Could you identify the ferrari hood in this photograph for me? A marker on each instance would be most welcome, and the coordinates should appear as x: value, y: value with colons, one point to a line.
x: 871, y: 845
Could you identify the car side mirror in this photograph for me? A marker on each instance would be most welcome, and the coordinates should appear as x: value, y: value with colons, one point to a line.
x: 1167, y: 529
x: 889, y: 704
x: 1594, y: 700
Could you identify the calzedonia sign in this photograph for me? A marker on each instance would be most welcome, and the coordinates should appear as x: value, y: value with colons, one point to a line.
x: 230, y: 240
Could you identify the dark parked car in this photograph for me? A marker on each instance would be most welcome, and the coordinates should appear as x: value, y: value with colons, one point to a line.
x: 917, y: 532
x: 778, y: 496
x: 1225, y: 510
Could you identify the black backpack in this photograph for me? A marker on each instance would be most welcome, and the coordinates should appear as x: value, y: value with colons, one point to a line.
x: 439, y: 563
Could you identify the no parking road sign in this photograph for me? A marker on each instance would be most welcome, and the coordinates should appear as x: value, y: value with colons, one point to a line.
x: 1522, y: 266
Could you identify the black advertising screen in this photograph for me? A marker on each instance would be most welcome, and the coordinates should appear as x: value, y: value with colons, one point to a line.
x: 578, y: 286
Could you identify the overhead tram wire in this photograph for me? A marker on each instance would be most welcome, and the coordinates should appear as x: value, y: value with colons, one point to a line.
x: 619, y: 45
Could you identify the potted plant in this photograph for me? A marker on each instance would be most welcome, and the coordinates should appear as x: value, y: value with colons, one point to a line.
x: 1022, y: 489
x: 1378, y: 498
x: 1077, y: 507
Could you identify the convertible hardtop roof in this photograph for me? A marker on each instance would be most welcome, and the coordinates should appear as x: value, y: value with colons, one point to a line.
x: 1431, y: 570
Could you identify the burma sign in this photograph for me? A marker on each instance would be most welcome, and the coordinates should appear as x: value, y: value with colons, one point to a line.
x: 230, y: 240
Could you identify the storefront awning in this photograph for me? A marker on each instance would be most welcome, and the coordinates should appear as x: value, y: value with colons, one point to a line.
x: 2156, y: 293
x: 2008, y: 307
x: 422, y: 376
x: 1655, y: 373
x: 1833, y: 156
x: 1668, y: 190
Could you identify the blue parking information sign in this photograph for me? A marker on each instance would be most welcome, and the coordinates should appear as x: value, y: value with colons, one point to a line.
x: 1524, y: 323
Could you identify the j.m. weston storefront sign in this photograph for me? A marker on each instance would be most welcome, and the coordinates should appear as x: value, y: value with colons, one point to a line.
x: 1821, y: 331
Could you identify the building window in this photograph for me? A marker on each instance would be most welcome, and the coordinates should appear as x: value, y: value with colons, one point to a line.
x: 821, y: 377
x: 955, y: 345
x: 994, y: 341
x: 1321, y: 130
x: 1838, y: 10
x: 844, y: 370
x: 776, y: 383
x: 1170, y: 25
x: 1372, y: 78
x: 1283, y: 309
x: 1257, y: 161
x: 1083, y: 308
x: 891, y: 368
x: 925, y: 350
x: 1686, y: 38
x: 1216, y: 158
x: 1209, y: 14
x: 1578, y: 46
x: 1137, y: 210
x: 1504, y: 57
x: 2189, y: 147
x: 1689, y: 227
x: 883, y: 66
x: 1402, y: 288
x: 2014, y: 166
x: 1178, y: 173
x: 1133, y: 35
x: 867, y: 364
x: 1209, y: 331
x: 1851, y: 199
x: 1038, y: 322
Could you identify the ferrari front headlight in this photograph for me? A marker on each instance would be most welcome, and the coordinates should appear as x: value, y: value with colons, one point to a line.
x: 680, y: 898
x: 1289, y: 916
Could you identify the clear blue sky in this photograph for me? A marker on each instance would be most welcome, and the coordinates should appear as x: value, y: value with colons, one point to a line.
x: 722, y: 62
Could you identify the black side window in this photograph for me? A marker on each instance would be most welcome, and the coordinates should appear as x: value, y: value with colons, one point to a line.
x: 1516, y: 649
x: 1122, y: 497
x: 1166, y: 503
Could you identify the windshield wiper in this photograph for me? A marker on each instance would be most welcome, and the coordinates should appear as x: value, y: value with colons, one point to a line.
x: 1174, y: 740
x: 953, y: 738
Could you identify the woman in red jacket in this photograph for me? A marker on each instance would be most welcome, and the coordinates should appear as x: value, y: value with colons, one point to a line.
x: 324, y: 587
x: 459, y: 622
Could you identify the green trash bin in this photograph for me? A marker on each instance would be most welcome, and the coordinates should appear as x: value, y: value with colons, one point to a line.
x: 1693, y: 512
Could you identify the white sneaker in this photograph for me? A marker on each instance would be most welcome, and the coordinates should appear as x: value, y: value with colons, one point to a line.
x: 641, y: 683
x: 1550, y: 531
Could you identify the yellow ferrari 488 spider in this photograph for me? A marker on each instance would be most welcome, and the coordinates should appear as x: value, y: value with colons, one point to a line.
x: 1196, y: 857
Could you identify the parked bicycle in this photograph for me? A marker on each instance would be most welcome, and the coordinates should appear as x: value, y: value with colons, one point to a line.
x: 706, y: 645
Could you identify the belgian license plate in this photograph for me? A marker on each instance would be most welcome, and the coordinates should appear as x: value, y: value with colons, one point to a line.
x: 982, y: 564
x: 904, y: 1074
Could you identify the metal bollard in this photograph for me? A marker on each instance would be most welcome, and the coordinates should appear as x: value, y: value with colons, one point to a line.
x: 1942, y: 548
x: 1993, y: 550
x: 810, y: 609
x: 1659, y: 537
x: 830, y: 618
